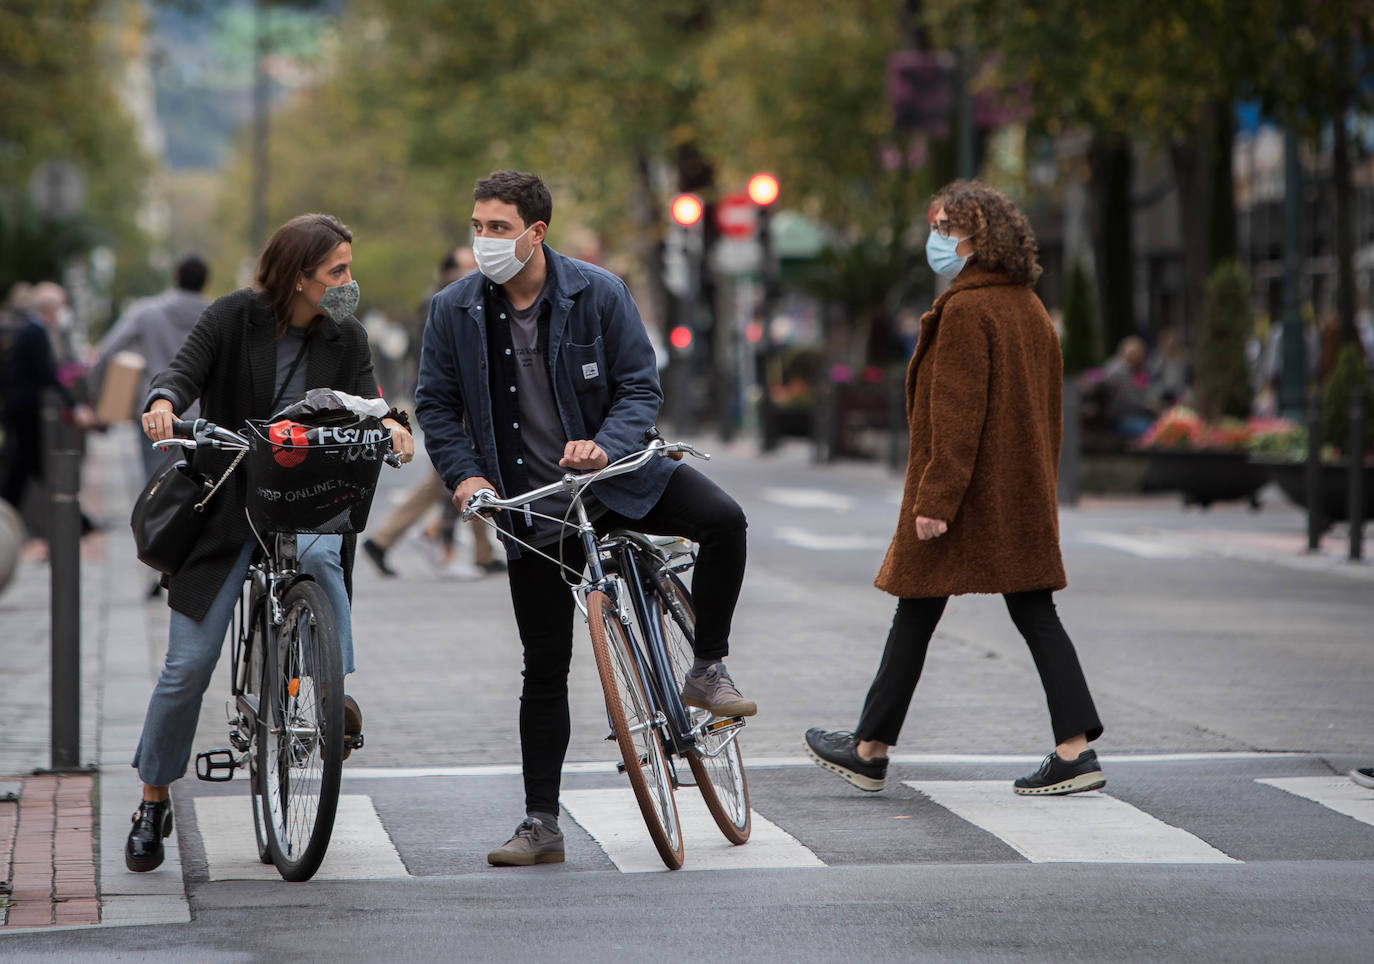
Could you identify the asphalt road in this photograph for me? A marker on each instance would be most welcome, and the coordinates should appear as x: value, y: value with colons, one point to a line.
x: 1218, y: 655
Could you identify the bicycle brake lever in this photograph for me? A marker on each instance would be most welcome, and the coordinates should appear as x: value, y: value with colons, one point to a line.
x: 475, y: 503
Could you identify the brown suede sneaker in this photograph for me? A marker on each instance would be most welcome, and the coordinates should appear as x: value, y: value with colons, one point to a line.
x: 533, y: 843
x: 714, y: 690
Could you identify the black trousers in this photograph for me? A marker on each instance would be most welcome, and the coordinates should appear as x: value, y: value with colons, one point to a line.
x: 23, y: 454
x: 1071, y: 705
x: 692, y: 506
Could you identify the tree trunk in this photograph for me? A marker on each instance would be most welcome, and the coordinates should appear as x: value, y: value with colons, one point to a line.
x: 1345, y: 227
x: 1111, y: 162
x: 650, y: 250
x: 1190, y: 177
x: 1221, y: 226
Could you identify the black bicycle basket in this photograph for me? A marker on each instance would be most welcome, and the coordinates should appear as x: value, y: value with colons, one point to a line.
x: 313, y: 478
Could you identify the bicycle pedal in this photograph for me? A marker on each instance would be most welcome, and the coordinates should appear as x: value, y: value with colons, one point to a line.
x: 216, y: 766
x: 643, y: 762
x: 353, y: 742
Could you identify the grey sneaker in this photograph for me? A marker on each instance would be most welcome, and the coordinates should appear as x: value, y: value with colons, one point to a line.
x: 533, y: 843
x: 714, y: 690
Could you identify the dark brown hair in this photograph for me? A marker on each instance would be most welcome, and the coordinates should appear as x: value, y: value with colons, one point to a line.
x: 529, y: 194
x: 295, y: 248
x: 1002, y: 237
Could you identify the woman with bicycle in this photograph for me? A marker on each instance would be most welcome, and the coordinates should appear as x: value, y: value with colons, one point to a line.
x: 251, y: 352
x: 979, y: 511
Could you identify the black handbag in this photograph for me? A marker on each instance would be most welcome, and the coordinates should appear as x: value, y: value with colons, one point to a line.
x: 169, y: 514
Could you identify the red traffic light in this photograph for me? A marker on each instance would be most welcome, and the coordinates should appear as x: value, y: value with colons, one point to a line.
x: 686, y: 209
x: 681, y: 337
x: 763, y: 189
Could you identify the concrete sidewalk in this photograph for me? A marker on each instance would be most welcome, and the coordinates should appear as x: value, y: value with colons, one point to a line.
x: 61, y: 837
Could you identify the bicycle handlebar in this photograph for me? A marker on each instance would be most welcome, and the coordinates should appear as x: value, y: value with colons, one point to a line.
x: 486, y: 500
x: 192, y: 433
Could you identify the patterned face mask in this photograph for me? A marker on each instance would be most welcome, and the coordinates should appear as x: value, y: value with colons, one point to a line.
x: 340, y: 301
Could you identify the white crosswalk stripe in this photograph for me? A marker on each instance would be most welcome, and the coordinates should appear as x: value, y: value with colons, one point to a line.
x: 1336, y: 793
x: 1144, y: 547
x: 1091, y: 827
x: 359, y: 848
x: 1082, y: 828
x: 613, y: 819
x: 820, y: 542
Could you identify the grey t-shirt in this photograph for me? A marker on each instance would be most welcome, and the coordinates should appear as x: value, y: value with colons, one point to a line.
x: 541, y: 428
x: 289, y: 346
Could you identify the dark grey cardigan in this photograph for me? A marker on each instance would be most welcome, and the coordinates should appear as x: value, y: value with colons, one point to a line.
x: 229, y: 363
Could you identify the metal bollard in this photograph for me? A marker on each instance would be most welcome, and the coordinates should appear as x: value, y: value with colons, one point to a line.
x: 1315, y: 522
x: 1354, y: 492
x: 64, y: 555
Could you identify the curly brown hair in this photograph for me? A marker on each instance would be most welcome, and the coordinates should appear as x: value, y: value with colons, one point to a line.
x: 1002, y: 237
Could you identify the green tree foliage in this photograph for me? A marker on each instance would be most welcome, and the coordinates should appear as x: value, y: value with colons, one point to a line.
x: 1163, y: 74
x: 1081, y: 341
x: 55, y: 56
x: 798, y: 88
x: 618, y: 104
x: 1350, y: 372
x: 335, y: 151
x: 1222, y: 384
x: 1317, y: 79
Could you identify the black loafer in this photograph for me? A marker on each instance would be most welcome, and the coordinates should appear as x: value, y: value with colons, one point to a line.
x: 152, y: 823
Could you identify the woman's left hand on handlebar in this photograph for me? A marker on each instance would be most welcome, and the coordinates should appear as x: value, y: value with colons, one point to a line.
x: 583, y: 454
x: 157, y: 421
x: 402, y: 442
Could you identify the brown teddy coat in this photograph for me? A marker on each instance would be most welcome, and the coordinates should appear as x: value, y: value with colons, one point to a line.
x: 983, y: 396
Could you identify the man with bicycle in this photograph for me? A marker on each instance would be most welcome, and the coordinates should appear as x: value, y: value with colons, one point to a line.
x: 539, y: 365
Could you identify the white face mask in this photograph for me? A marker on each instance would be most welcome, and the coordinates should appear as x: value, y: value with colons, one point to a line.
x: 496, y: 256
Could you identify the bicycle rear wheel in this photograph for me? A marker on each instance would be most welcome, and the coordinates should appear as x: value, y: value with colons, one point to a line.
x: 716, y: 760
x: 300, y: 732
x: 634, y: 728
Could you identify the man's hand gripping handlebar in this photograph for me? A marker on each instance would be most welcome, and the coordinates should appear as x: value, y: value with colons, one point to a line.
x: 485, y: 501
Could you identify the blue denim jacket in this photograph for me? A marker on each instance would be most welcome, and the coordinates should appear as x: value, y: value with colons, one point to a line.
x: 605, y: 379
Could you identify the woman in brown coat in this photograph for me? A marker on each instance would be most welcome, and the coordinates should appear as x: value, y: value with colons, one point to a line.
x: 978, y: 508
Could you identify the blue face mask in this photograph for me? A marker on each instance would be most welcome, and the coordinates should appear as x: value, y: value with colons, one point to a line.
x: 943, y: 255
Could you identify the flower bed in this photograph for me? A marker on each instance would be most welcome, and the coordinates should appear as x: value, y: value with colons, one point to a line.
x: 1210, y: 461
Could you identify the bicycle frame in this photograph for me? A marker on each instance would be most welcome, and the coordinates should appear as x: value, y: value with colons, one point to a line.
x: 267, y: 580
x: 624, y: 583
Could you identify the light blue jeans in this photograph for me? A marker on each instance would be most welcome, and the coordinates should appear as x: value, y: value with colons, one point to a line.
x: 193, y: 649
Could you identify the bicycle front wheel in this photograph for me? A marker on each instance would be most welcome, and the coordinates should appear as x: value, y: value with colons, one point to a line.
x: 716, y: 761
x: 300, y: 733
x: 635, y: 728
